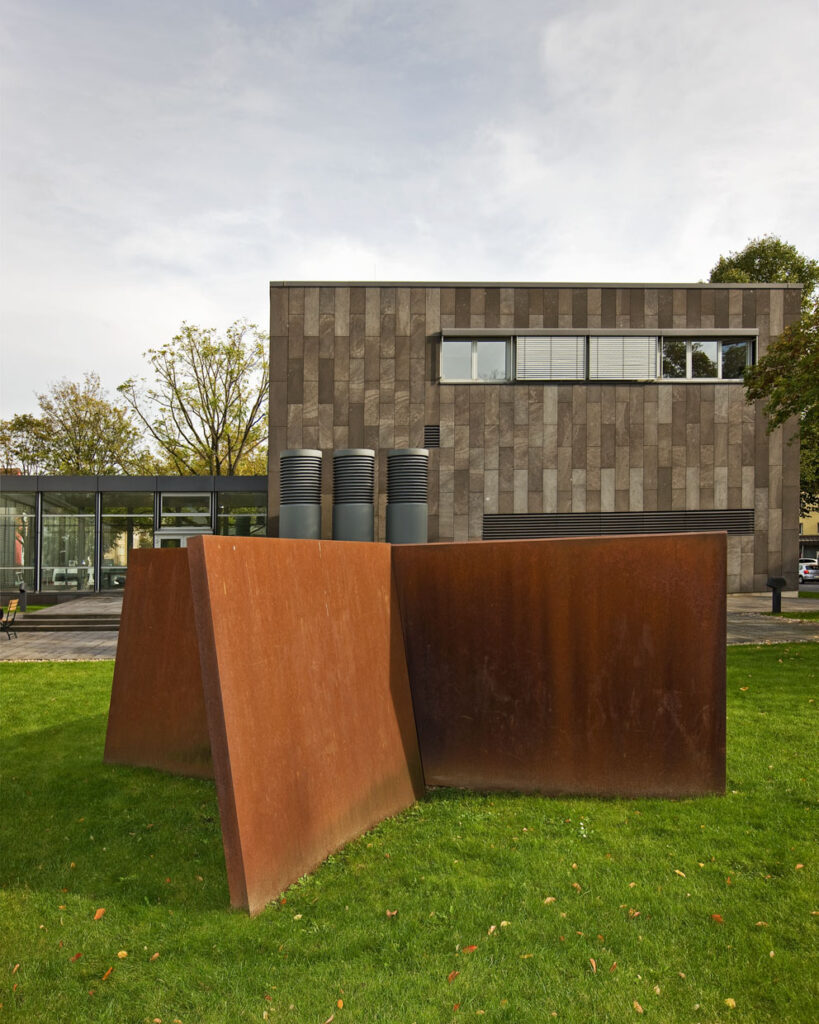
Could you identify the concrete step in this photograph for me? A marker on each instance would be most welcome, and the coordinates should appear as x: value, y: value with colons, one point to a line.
x: 66, y: 623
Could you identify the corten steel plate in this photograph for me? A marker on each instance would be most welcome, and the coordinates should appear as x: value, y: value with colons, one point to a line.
x: 308, y: 701
x: 157, y: 714
x: 583, y: 666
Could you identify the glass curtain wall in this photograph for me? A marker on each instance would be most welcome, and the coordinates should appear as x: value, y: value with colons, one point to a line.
x: 68, y: 540
x: 241, y: 514
x: 127, y: 522
x: 17, y: 539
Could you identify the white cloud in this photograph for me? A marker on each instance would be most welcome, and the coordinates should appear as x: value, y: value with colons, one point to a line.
x: 164, y: 162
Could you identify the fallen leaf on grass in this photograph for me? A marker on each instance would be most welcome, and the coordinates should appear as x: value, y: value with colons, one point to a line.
x: 717, y: 918
x: 593, y: 963
x: 550, y: 899
x: 504, y: 924
x: 456, y: 1006
x: 799, y: 867
x: 678, y: 872
x: 492, y: 928
x: 526, y: 956
x: 469, y: 949
x: 762, y: 924
x: 340, y: 1004
x: 731, y: 1003
x: 576, y: 885
x: 330, y: 1019
x: 613, y: 967
x: 631, y: 885
x: 391, y: 913
x: 633, y: 913
x: 656, y: 990
x: 452, y: 976
x: 155, y: 956
x: 122, y: 954
x: 99, y: 913
x: 76, y: 957
x: 15, y: 969
x: 637, y: 1006
x: 771, y: 954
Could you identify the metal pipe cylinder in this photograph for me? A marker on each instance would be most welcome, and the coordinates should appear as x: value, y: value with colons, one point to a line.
x: 407, y: 507
x: 300, y: 493
x: 353, y: 490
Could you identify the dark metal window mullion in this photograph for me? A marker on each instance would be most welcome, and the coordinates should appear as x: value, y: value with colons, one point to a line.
x: 97, y: 539
x: 38, y: 539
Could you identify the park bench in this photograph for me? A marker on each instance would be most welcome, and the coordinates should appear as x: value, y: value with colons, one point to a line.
x: 7, y: 622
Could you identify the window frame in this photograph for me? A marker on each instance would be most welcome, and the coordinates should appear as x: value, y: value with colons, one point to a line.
x: 507, y: 339
x: 511, y: 336
x: 690, y: 340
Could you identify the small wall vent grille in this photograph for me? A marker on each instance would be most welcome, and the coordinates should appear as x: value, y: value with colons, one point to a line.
x: 432, y: 436
x: 586, y: 524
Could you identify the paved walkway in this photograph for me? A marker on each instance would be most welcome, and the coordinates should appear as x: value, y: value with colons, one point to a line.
x: 746, y: 625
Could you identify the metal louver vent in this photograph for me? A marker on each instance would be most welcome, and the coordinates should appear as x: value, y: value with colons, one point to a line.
x: 585, y: 524
x: 432, y: 436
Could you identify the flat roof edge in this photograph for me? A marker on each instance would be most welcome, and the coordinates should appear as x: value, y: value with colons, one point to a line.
x: 532, y: 284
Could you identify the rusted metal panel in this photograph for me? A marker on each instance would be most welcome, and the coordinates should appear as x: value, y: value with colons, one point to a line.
x: 308, y: 700
x: 584, y: 666
x: 157, y: 715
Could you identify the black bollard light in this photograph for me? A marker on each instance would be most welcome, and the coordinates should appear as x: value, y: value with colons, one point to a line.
x: 777, y: 585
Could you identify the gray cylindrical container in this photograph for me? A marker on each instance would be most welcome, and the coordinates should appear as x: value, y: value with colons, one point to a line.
x: 353, y: 479
x: 407, y: 508
x: 300, y: 495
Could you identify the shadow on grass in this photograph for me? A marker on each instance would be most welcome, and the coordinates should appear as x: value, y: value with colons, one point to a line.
x: 73, y: 824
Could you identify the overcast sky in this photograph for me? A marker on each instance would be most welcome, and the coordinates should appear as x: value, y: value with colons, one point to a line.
x: 163, y: 161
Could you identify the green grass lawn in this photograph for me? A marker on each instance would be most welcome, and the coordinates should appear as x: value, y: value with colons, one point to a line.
x: 501, y: 907
x: 810, y: 616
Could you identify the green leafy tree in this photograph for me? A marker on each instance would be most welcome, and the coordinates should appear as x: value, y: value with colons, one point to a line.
x: 83, y: 432
x: 22, y: 444
x: 787, y: 379
x: 206, y: 409
x: 769, y: 259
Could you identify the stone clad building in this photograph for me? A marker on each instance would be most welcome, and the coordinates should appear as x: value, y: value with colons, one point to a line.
x: 548, y: 410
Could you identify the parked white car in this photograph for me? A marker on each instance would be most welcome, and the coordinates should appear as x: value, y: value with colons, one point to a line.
x: 808, y: 570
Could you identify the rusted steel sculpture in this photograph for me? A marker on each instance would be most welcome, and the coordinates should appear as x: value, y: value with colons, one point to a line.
x: 590, y: 666
x: 561, y: 666
x: 308, y: 701
x: 157, y: 716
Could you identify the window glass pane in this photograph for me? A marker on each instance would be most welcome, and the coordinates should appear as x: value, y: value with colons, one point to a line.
x: 456, y: 360
x: 183, y: 521
x: 674, y: 359
x: 68, y: 502
x: 551, y: 358
x: 241, y: 526
x: 120, y: 535
x: 17, y: 550
x: 128, y: 502
x: 68, y: 553
x: 12, y: 502
x: 704, y: 358
x: 491, y: 360
x: 242, y: 501
x: 734, y: 359
x: 183, y: 503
